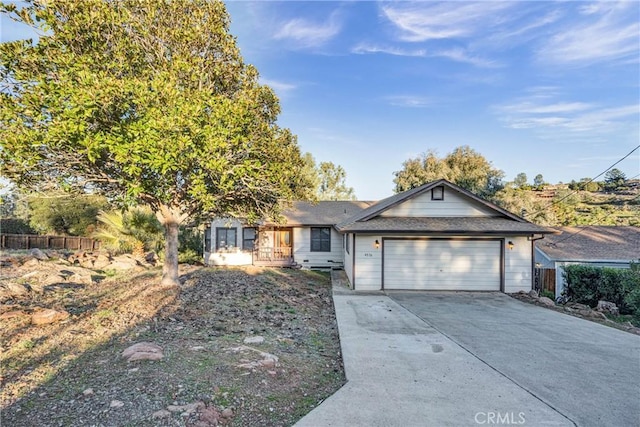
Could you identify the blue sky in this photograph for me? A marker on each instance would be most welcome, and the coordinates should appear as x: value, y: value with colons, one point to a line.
x: 535, y: 87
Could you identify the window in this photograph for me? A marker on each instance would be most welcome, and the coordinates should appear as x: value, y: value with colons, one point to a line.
x: 248, y: 238
x: 320, y: 239
x: 207, y: 239
x: 225, y: 238
x: 437, y: 193
x: 348, y: 242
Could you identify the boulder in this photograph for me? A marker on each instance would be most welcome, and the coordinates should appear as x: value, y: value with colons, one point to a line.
x: 143, y: 351
x: 38, y: 254
x: 577, y: 306
x: 546, y: 301
x: 254, y: 340
x: 46, y: 316
x: 13, y: 289
x: 533, y: 293
x: 608, y: 307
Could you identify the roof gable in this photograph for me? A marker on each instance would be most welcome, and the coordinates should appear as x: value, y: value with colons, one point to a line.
x: 378, y: 209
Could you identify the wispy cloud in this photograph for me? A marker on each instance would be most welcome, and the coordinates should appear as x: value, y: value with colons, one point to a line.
x: 422, y: 21
x: 305, y: 33
x: 463, y: 55
x: 606, y: 31
x: 574, y: 117
x: 278, y: 86
x: 411, y: 101
x: 364, y: 48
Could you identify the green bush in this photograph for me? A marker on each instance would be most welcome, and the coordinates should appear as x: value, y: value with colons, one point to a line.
x: 190, y: 245
x: 588, y: 285
x: 15, y: 226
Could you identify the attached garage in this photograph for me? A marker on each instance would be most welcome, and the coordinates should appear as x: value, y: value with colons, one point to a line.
x: 442, y: 264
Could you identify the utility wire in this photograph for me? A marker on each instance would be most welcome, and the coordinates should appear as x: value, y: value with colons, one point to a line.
x: 535, y: 214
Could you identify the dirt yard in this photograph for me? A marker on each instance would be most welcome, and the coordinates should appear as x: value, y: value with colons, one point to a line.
x: 241, y: 347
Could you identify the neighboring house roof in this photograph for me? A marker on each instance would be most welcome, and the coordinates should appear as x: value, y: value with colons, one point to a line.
x: 323, y: 212
x: 368, y: 220
x: 592, y: 243
x: 444, y: 225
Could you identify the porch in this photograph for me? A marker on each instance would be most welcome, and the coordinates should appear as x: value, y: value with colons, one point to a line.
x: 273, y: 257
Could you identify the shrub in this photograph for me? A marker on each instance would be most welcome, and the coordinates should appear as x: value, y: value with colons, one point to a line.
x: 587, y: 285
x: 190, y: 245
x: 15, y: 226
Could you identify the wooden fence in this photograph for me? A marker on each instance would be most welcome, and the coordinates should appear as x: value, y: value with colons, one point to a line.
x: 545, y: 279
x: 29, y: 241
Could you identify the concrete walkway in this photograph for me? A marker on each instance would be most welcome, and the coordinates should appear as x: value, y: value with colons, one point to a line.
x: 403, y: 372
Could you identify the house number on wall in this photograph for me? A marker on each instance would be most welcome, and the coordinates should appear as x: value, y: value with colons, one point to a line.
x: 368, y: 254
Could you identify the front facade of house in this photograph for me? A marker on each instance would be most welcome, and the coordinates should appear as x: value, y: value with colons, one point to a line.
x: 597, y: 246
x: 434, y: 237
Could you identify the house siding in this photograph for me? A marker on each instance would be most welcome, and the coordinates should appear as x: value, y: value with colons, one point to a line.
x: 517, y: 265
x: 348, y: 259
x: 368, y: 264
x: 453, y: 205
x: 233, y: 256
x: 303, y: 255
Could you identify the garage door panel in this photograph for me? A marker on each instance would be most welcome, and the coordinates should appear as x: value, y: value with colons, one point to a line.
x: 442, y: 264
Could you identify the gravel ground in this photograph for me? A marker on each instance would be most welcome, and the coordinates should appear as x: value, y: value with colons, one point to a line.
x: 244, y: 347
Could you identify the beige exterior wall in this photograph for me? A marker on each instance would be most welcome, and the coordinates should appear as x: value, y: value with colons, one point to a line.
x: 518, y: 265
x: 453, y: 205
x: 303, y: 255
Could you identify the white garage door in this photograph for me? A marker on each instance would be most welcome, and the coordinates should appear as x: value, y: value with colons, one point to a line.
x: 465, y: 265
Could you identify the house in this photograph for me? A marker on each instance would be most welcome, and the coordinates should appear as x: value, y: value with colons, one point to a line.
x: 599, y: 246
x: 437, y: 236
x: 308, y: 238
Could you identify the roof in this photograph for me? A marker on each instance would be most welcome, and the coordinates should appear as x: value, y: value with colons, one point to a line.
x: 504, y: 222
x: 592, y: 243
x: 323, y: 212
x: 445, y: 225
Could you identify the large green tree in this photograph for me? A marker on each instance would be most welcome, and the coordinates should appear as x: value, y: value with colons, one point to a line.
x: 328, y: 180
x: 463, y: 166
x: 149, y: 102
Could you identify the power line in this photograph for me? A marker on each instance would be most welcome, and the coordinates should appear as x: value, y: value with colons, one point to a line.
x: 535, y: 214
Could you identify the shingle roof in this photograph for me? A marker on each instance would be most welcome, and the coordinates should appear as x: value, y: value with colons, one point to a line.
x: 591, y: 243
x: 323, y: 212
x: 445, y: 225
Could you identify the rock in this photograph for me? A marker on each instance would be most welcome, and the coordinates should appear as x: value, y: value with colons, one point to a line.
x: 608, y: 307
x: 44, y: 317
x: 82, y: 279
x: 546, y: 301
x: 254, y: 340
x: 533, y: 293
x: 122, y: 262
x: 31, y: 263
x: 101, y: 261
x: 116, y: 404
x: 186, y: 409
x: 151, y: 258
x: 88, y: 392
x: 143, y: 351
x: 597, y: 315
x: 577, y: 306
x: 12, y: 289
x: 38, y: 254
x: 12, y: 314
x: 52, y: 280
x: 208, y: 417
x: 227, y: 413
x: 162, y: 413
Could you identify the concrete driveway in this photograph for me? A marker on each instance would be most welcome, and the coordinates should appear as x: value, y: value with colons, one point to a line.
x: 587, y: 372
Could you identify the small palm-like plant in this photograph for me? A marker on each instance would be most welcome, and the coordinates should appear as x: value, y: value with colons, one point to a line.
x: 135, y: 231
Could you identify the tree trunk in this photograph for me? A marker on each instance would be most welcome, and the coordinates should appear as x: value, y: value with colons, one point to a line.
x: 171, y: 221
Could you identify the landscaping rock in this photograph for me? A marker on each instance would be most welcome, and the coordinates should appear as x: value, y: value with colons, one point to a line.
x: 577, y: 306
x: 227, y: 413
x: 533, y: 293
x: 122, y: 262
x: 38, y: 254
x: 162, y: 413
x: 608, y: 307
x: 186, y: 409
x: 12, y: 314
x: 88, y: 392
x: 143, y: 351
x: 116, y: 404
x: 12, y: 289
x: 44, y: 317
x: 254, y: 340
x: 546, y: 301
